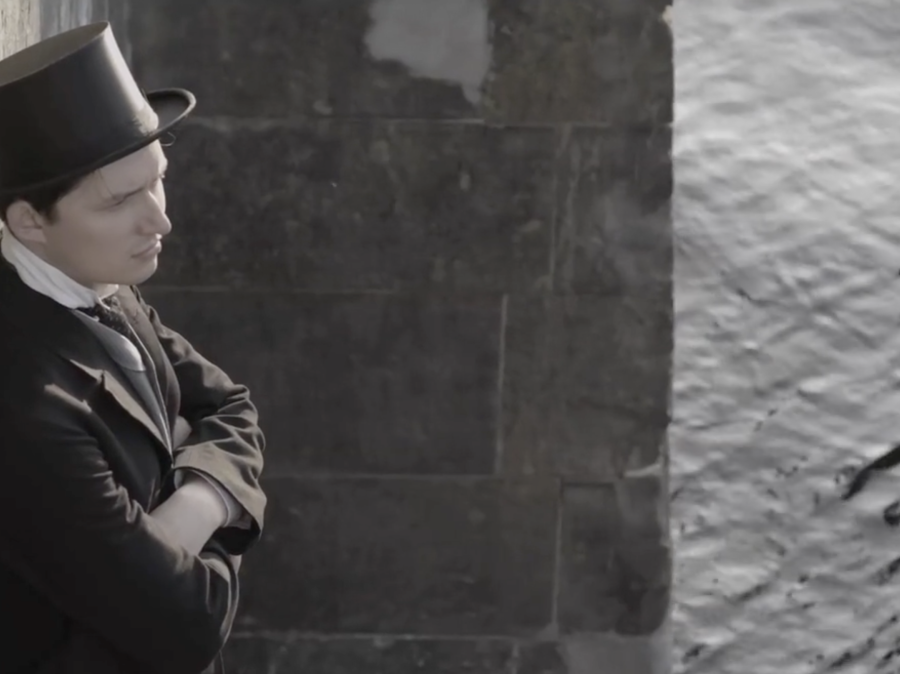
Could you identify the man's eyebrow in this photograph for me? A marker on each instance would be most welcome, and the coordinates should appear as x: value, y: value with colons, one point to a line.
x: 121, y: 196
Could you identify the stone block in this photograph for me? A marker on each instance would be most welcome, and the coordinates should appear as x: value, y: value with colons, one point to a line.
x: 543, y: 658
x: 598, y: 654
x: 538, y: 61
x: 381, y: 655
x: 613, y: 232
x: 404, y: 556
x: 586, y: 385
x: 287, y: 58
x: 607, y: 61
x: 615, y: 572
x: 359, y: 384
x: 380, y: 205
x: 368, y: 205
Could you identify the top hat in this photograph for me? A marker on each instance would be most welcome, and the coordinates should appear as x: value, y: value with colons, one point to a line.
x: 69, y: 105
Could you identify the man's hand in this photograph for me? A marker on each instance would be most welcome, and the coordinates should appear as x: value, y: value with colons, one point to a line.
x: 181, y: 431
x: 192, y: 514
x: 225, y: 444
x: 195, y: 511
x: 162, y: 607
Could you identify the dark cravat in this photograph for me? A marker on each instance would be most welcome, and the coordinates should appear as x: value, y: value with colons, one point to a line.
x: 110, y: 314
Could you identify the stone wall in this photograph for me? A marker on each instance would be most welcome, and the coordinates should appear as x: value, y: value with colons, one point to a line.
x: 19, y: 25
x: 434, y: 238
x: 22, y: 22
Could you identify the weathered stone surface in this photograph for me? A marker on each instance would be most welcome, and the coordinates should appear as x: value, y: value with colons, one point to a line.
x: 57, y: 16
x: 541, y: 658
x: 581, y: 61
x: 615, y: 569
x: 586, y: 385
x: 598, y: 654
x: 613, y: 231
x: 19, y: 25
x: 361, y: 205
x: 370, y: 383
x: 788, y: 348
x: 450, y: 557
x: 602, y: 61
x: 383, y: 655
x: 578, y: 654
x: 373, y: 383
x: 353, y: 205
x: 283, y: 58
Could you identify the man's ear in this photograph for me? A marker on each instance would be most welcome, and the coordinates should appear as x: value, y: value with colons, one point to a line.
x: 25, y: 223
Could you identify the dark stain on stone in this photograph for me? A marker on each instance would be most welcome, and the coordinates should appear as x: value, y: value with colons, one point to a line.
x: 887, y: 657
x: 852, y: 655
x: 859, y: 477
x: 845, y: 474
x: 753, y: 592
x: 891, y: 654
x: 693, y: 653
x: 883, y: 576
x: 892, y: 514
x: 787, y: 472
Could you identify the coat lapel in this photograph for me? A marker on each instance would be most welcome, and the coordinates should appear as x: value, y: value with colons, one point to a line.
x: 55, y: 326
x: 123, y: 397
x: 161, y: 365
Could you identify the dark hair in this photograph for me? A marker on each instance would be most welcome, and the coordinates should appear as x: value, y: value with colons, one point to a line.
x: 43, y: 199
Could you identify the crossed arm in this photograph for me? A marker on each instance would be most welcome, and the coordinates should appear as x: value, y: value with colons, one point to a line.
x: 196, y: 510
x: 159, y: 589
x: 223, y: 440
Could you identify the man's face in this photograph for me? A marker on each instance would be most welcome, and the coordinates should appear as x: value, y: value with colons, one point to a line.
x: 108, y: 229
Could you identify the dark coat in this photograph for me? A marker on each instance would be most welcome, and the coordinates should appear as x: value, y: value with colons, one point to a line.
x: 88, y: 583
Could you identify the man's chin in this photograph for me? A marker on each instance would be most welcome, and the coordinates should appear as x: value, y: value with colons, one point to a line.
x: 138, y: 275
x: 144, y: 276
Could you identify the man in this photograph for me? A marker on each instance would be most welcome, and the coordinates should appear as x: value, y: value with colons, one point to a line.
x: 129, y: 464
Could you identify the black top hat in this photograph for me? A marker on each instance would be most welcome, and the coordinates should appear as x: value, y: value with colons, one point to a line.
x: 69, y: 105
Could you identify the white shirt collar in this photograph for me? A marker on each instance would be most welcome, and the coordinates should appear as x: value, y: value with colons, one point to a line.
x: 46, y: 279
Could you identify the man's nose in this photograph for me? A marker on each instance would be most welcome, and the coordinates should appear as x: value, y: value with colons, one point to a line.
x: 160, y: 223
x: 155, y: 220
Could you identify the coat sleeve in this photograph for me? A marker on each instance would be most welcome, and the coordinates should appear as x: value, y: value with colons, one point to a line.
x: 225, y: 442
x: 75, y: 535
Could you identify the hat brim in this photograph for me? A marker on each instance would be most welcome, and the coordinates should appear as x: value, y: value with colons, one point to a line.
x: 171, y: 106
